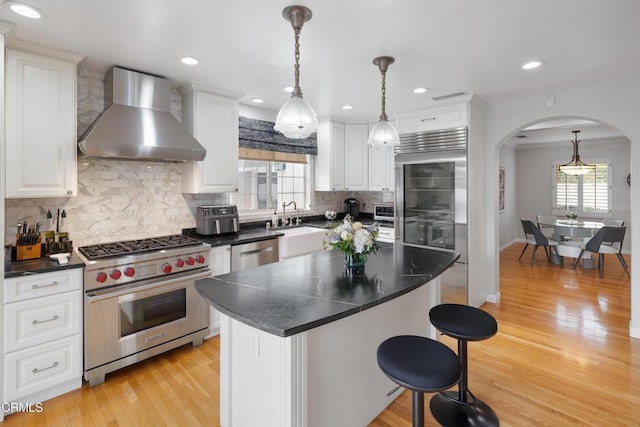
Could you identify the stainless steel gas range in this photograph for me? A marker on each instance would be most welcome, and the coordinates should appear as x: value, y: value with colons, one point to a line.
x: 140, y: 300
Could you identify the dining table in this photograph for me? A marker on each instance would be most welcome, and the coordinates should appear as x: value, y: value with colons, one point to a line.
x: 570, y: 235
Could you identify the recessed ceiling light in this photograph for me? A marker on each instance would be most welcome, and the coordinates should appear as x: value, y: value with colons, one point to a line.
x: 420, y: 90
x: 347, y: 107
x: 532, y: 64
x: 25, y: 9
x: 288, y: 89
x: 189, y: 60
x: 257, y: 100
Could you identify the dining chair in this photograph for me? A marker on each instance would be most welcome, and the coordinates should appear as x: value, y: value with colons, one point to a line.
x: 533, y: 236
x: 608, y: 240
x: 546, y: 224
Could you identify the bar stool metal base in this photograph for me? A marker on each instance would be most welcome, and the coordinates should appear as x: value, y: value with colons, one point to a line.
x: 450, y: 412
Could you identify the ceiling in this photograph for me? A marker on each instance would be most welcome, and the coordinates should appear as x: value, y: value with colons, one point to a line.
x: 447, y: 46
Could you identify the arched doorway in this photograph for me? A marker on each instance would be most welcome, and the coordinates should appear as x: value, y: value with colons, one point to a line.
x: 614, y: 105
x: 526, y: 161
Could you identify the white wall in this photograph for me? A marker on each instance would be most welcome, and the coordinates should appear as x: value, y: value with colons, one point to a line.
x: 534, y: 169
x: 509, y: 220
x: 616, y: 105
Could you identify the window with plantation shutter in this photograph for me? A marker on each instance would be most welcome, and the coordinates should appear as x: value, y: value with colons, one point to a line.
x: 585, y: 195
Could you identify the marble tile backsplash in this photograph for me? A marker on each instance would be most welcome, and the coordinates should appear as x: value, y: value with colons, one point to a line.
x: 124, y: 200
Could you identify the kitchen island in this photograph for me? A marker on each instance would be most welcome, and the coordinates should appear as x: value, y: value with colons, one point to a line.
x: 299, y: 337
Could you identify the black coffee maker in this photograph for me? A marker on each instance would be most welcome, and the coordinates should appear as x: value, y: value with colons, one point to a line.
x: 352, y: 207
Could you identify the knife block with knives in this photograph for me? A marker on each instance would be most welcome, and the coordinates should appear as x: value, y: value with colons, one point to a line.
x: 28, y: 244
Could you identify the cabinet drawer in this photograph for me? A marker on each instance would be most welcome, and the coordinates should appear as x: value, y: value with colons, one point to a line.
x: 38, y: 285
x: 41, y: 320
x: 450, y: 116
x: 41, y: 367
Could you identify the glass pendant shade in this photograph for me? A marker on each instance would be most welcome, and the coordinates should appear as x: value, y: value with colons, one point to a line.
x: 571, y: 169
x: 576, y: 166
x: 383, y: 136
x: 296, y: 119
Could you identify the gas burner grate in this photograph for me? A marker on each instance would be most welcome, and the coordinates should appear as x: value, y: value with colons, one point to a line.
x: 133, y: 247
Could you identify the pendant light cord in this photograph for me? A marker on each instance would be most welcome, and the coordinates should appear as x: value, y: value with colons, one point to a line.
x: 296, y: 89
x: 383, y: 116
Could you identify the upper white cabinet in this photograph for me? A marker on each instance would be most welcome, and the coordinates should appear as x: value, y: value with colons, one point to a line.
x: 330, y: 161
x: 441, y: 117
x: 381, y: 170
x: 212, y: 117
x: 41, y: 123
x: 356, y: 157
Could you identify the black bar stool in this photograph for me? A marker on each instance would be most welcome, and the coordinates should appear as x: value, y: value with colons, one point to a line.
x: 420, y: 364
x: 463, y: 323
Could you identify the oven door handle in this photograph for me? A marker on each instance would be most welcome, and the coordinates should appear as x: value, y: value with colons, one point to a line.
x: 94, y: 296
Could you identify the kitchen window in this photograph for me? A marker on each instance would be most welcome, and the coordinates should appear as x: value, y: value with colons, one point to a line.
x: 586, y: 195
x: 265, y: 185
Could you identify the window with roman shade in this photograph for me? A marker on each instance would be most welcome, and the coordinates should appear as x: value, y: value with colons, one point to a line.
x: 273, y: 169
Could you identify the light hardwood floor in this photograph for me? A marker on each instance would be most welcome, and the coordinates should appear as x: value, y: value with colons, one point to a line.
x: 562, y: 357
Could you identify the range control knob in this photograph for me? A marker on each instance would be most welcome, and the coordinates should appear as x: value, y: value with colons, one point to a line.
x: 166, y: 268
x: 191, y: 261
x: 129, y: 271
x: 200, y: 259
x: 115, y: 274
x: 101, y: 277
x: 180, y: 262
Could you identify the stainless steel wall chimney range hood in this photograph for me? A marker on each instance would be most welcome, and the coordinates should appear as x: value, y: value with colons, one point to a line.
x: 137, y: 122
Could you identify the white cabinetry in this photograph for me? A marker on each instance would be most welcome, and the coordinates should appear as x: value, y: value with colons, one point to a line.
x: 441, y: 117
x: 219, y: 263
x: 381, y: 169
x: 356, y: 157
x: 212, y: 117
x: 329, y: 166
x: 40, y: 124
x: 43, y: 335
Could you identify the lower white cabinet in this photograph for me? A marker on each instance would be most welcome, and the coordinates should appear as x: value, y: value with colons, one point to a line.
x: 43, y: 371
x: 219, y: 263
x: 43, y: 335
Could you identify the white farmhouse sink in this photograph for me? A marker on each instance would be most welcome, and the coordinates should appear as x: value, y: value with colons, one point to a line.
x: 300, y: 241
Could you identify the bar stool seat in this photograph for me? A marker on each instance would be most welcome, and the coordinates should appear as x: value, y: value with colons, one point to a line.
x: 421, y: 365
x: 464, y: 323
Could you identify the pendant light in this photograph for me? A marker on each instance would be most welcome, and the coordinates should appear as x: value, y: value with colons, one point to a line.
x: 296, y: 119
x: 576, y: 166
x: 383, y: 135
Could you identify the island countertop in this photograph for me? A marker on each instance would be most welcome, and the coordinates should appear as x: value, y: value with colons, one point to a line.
x: 298, y: 294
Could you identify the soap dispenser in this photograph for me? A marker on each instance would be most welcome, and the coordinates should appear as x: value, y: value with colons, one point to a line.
x: 274, y: 219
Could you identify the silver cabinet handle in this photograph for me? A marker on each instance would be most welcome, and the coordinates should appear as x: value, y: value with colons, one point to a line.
x: 37, y: 322
x: 256, y: 251
x: 69, y: 192
x: 54, y: 283
x: 37, y: 371
x: 428, y: 119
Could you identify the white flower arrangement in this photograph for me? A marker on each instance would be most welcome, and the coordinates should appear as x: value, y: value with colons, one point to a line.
x: 353, y: 238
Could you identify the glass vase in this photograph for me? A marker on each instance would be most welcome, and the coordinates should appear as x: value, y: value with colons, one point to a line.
x: 354, y: 263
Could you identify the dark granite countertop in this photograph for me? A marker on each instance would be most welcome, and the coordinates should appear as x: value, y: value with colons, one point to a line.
x: 37, y: 266
x: 298, y: 294
x: 243, y: 236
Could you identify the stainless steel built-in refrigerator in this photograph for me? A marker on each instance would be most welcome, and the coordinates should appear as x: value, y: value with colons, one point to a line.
x: 431, y: 199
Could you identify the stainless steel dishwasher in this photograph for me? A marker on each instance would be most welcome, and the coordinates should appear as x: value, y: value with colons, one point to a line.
x: 249, y: 255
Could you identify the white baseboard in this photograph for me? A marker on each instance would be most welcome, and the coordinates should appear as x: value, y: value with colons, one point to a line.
x: 508, y: 244
x: 493, y: 298
x: 634, y: 332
